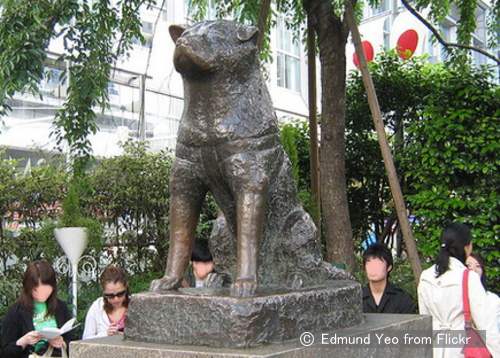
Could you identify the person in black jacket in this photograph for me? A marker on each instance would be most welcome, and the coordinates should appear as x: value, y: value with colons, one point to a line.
x: 380, y: 296
x: 36, y: 308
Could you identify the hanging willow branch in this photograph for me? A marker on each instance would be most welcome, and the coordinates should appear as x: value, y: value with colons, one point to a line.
x: 441, y: 40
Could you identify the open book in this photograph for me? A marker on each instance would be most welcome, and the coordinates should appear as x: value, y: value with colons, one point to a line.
x: 50, y: 332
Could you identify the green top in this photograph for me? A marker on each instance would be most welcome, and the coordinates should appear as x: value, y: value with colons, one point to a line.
x: 41, y: 320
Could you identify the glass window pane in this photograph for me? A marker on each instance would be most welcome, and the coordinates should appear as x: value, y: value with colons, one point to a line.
x: 479, y: 59
x: 445, y: 31
x: 296, y: 70
x: 296, y: 48
x: 430, y: 47
x: 280, y: 70
x: 292, y: 73
x: 147, y: 27
x: 288, y: 72
x: 280, y: 33
x: 288, y: 40
x: 480, y: 30
x: 387, y: 34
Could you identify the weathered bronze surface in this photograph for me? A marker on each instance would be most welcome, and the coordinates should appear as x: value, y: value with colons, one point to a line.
x: 211, y: 317
x: 228, y: 144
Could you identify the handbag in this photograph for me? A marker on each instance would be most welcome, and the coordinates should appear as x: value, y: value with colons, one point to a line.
x: 49, y: 351
x: 475, y: 346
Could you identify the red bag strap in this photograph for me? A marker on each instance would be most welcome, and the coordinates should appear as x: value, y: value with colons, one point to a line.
x: 465, y: 297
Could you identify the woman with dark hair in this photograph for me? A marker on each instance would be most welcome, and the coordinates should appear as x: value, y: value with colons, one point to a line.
x: 440, y: 292
x: 37, y: 307
x: 106, y: 316
x: 476, y: 263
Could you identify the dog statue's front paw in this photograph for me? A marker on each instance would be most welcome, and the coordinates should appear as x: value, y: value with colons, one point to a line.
x: 165, y: 283
x: 243, y: 288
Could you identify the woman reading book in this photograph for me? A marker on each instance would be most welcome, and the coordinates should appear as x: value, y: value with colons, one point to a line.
x: 37, y: 308
x: 106, y: 316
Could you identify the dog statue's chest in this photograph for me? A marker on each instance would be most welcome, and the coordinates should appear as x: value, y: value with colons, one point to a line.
x: 203, y: 129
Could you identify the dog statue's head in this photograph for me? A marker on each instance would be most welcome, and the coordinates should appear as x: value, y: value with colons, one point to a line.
x: 213, y: 46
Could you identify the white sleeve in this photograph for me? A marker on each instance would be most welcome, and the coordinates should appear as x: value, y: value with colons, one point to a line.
x: 481, y: 314
x: 422, y: 307
x: 494, y: 301
x: 91, y: 325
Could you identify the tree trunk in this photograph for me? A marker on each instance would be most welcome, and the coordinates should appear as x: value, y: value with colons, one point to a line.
x: 265, y: 9
x: 332, y: 37
x: 313, y: 124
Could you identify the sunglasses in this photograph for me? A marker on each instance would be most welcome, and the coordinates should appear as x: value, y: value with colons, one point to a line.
x: 110, y: 296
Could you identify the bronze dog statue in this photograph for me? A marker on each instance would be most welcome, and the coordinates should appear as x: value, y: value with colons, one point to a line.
x: 228, y: 143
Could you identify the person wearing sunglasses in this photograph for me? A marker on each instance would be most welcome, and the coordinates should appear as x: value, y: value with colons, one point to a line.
x: 106, y: 315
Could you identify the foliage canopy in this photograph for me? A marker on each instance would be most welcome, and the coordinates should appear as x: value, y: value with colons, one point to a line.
x: 94, y: 35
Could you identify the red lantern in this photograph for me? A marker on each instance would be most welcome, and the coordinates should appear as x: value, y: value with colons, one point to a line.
x: 407, y: 44
x: 367, y: 50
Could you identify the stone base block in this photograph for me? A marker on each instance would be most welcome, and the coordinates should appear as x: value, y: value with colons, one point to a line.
x: 373, y: 324
x: 207, y: 317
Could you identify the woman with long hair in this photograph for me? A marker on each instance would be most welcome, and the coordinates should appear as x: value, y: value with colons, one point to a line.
x: 106, y: 316
x: 440, y: 293
x: 36, y: 308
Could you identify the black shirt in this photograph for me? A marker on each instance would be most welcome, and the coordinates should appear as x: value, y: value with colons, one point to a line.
x: 394, y: 300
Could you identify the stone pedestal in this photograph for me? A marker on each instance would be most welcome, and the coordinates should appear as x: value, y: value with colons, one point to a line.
x: 388, y: 324
x: 207, y: 317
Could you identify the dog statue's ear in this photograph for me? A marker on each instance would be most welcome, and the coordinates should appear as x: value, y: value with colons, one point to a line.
x: 247, y: 33
x: 176, y: 31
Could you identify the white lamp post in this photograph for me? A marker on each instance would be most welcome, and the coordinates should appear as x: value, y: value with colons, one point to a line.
x: 73, y: 241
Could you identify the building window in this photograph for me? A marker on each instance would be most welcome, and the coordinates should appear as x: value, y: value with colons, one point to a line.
x: 191, y: 9
x: 53, y: 77
x: 169, y: 14
x: 52, y: 82
x: 454, y: 13
x: 112, y: 89
x: 479, y: 58
x: 369, y: 11
x: 147, y: 33
x: 387, y: 34
x: 382, y: 7
x: 480, y: 32
x: 430, y: 47
x: 148, y: 41
x: 288, y: 58
x: 479, y: 37
x: 147, y: 27
x: 446, y: 35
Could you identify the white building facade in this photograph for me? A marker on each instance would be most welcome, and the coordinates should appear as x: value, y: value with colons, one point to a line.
x: 26, y: 130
